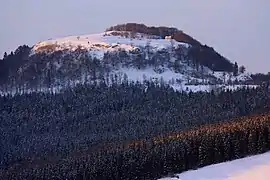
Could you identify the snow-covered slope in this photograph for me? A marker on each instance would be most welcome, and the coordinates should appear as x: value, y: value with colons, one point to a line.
x: 170, y: 77
x: 250, y: 168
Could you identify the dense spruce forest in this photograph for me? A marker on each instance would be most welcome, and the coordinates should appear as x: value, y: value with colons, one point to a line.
x: 128, y: 131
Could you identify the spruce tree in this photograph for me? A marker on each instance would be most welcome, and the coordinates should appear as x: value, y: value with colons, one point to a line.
x: 235, y: 69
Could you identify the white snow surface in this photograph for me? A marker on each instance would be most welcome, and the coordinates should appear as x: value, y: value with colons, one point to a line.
x: 227, y: 76
x: 250, y: 168
x: 98, y: 44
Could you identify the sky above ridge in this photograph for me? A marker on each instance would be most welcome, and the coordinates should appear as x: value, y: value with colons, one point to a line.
x: 239, y: 30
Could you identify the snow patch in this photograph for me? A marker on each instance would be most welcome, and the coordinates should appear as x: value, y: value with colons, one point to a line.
x: 250, y: 168
x: 229, y: 76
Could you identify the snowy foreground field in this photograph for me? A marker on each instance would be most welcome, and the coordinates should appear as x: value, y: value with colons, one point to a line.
x: 250, y: 168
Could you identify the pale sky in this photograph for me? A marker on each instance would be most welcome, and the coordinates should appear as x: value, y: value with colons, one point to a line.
x: 238, y: 29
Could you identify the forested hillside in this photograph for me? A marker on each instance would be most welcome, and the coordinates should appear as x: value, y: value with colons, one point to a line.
x: 45, y: 128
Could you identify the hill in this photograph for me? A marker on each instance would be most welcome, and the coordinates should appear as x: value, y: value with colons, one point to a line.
x: 129, y: 52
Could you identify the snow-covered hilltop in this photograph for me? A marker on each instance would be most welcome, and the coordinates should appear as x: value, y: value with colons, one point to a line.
x: 161, y: 55
x: 98, y: 44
